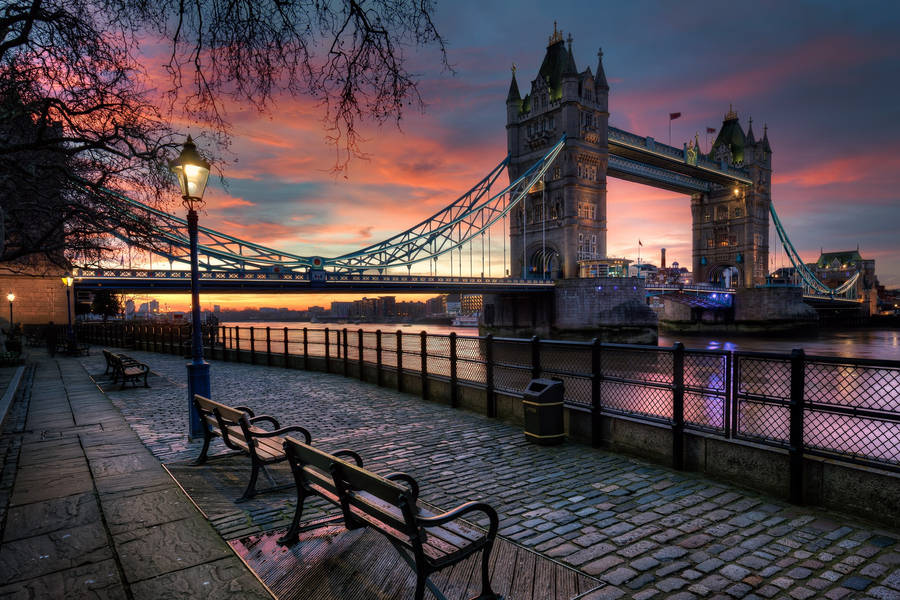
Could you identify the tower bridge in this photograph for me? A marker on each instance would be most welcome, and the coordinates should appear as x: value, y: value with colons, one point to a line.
x: 550, y: 211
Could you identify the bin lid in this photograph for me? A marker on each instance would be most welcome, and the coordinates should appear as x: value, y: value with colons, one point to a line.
x: 540, y: 384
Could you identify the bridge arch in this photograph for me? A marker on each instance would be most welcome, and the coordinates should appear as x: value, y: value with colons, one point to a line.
x: 725, y: 274
x: 545, y: 262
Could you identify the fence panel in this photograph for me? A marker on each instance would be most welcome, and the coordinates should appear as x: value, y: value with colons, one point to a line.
x: 852, y: 409
x: 706, y: 390
x: 762, y: 394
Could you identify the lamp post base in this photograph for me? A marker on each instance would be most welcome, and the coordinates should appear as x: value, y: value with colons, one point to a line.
x: 198, y: 383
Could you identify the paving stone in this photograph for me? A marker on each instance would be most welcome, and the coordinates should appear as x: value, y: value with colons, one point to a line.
x: 589, y: 554
x: 602, y: 565
x: 644, y: 563
x: 63, y: 549
x: 98, y: 580
x: 734, y: 572
x: 153, y: 551
x: 29, y: 520
x: 619, y: 576
x: 857, y: 583
x: 202, y: 581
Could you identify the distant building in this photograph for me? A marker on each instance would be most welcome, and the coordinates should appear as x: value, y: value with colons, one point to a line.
x: 341, y: 309
x: 453, y: 305
x: 604, y: 267
x: 471, y: 304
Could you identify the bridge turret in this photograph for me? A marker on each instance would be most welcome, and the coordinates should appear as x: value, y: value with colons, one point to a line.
x: 564, y: 221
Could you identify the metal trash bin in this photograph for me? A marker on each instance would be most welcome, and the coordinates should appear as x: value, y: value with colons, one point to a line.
x: 543, y: 404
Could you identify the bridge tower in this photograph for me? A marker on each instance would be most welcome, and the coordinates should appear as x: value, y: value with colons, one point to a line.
x: 563, y: 219
x: 731, y: 225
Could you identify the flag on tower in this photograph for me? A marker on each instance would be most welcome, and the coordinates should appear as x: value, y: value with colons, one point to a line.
x: 673, y: 116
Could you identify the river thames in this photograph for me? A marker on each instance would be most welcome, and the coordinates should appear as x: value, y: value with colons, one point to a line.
x: 881, y: 344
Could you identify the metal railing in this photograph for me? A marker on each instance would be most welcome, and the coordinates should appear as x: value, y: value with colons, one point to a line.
x: 844, y: 409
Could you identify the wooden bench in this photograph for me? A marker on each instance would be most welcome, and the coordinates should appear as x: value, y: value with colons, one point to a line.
x: 237, y: 426
x: 427, y: 541
x: 125, y: 368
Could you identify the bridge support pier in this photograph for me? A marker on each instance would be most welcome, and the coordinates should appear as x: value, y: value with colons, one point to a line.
x: 612, y: 309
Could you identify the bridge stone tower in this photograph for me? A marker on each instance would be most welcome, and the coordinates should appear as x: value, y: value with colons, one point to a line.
x: 731, y: 225
x: 563, y: 219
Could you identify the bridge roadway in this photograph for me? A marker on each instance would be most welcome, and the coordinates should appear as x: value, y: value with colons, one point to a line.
x: 320, y: 282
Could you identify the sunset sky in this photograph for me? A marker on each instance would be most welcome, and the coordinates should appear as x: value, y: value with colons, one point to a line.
x: 824, y: 76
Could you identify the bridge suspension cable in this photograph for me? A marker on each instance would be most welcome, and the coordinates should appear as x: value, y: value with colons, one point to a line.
x: 812, y: 285
x: 461, y: 222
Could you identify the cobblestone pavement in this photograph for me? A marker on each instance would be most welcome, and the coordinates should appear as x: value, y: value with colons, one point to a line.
x: 648, y: 531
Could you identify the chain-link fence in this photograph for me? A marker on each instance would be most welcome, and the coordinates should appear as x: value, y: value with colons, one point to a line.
x: 841, y: 408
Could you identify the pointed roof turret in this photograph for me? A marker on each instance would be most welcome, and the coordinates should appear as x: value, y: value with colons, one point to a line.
x: 513, y: 95
x: 751, y: 139
x: 600, y: 77
x: 765, y: 139
x: 732, y: 136
x: 570, y: 69
x: 555, y: 62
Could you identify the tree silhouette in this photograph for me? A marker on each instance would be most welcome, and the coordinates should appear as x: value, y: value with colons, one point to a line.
x: 106, y: 304
x: 80, y: 115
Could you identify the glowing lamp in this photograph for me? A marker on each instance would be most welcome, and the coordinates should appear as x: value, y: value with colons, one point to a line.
x: 192, y: 171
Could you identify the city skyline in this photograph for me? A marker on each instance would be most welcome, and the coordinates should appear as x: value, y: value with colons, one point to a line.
x: 816, y: 74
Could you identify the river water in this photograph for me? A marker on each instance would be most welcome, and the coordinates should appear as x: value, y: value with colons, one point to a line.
x: 881, y: 344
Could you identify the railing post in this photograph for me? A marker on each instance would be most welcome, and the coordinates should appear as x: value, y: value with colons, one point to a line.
x: 286, y: 352
x: 359, y: 338
x: 678, y: 406
x: 424, y: 372
x: 489, y: 375
x: 399, y: 361
x: 596, y: 397
x: 346, y: 356
x: 306, y: 349
x: 327, y: 351
x: 268, y: 346
x: 252, y: 346
x: 378, y: 370
x: 798, y: 383
x: 237, y: 343
x: 454, y: 382
x: 535, y: 357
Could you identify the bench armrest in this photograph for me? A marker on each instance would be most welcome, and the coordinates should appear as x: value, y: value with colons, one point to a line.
x: 280, y: 432
x: 245, y: 409
x: 345, y: 452
x: 266, y: 418
x: 459, y: 511
x: 408, y: 480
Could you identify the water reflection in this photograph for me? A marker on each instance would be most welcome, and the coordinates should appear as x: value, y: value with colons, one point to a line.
x: 848, y: 343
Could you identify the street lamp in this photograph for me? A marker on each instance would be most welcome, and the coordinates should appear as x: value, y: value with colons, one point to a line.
x: 10, y: 296
x: 192, y: 172
x: 68, y: 280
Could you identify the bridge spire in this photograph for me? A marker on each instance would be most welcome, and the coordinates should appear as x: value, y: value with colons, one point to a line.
x: 600, y: 78
x: 751, y: 139
x: 513, y: 95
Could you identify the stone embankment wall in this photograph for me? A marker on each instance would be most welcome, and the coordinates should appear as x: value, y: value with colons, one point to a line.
x: 39, y: 299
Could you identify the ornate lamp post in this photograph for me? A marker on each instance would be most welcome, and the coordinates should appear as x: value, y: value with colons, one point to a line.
x: 10, y: 296
x: 69, y: 281
x: 193, y: 171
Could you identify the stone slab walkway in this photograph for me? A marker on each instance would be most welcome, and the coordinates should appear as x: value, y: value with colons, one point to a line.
x: 650, y: 532
x: 86, y: 511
